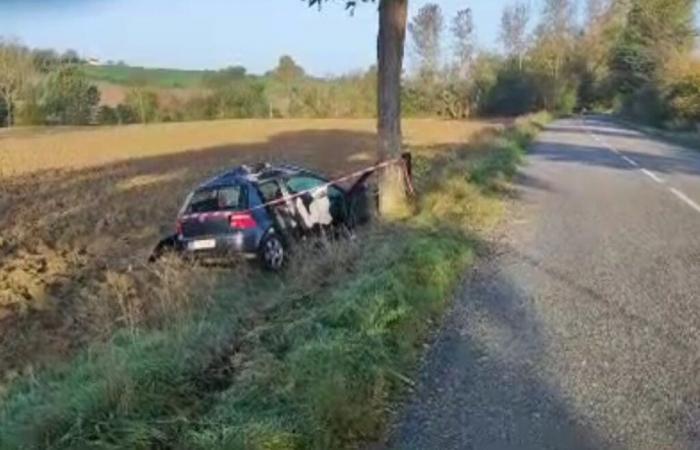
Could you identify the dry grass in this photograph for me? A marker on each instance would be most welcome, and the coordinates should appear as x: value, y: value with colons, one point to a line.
x: 80, y: 210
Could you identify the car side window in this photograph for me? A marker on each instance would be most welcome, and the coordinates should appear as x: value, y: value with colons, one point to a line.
x: 302, y: 183
x: 270, y: 191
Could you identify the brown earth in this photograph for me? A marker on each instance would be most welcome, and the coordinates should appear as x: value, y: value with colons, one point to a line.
x: 81, y: 209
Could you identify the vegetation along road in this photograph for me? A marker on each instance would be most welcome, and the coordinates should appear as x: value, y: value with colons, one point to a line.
x: 582, y: 331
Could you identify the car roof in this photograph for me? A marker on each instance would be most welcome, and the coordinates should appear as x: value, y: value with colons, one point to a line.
x: 254, y: 174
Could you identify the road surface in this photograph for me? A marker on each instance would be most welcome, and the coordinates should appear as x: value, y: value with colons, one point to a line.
x: 582, y: 330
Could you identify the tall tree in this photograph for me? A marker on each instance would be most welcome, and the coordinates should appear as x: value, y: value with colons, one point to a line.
x: 554, y: 45
x: 288, y: 73
x: 16, y: 72
x: 390, y: 53
x: 463, y: 33
x: 602, y: 22
x: 287, y: 70
x: 514, y: 22
x: 426, y: 32
x: 654, y: 32
x: 558, y: 17
x: 595, y: 10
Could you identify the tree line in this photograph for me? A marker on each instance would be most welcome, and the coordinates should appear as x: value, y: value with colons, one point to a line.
x: 634, y: 57
x: 231, y: 93
x: 629, y: 56
x: 40, y: 87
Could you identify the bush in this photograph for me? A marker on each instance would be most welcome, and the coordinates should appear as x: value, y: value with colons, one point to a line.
x: 69, y: 98
x: 514, y: 93
x: 645, y: 105
x: 107, y: 115
x: 30, y: 111
x: 125, y: 114
x: 567, y: 101
x: 240, y: 100
x: 143, y: 103
x: 683, y: 91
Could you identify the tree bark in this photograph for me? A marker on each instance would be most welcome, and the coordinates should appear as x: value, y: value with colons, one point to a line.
x: 10, y: 111
x: 390, y: 52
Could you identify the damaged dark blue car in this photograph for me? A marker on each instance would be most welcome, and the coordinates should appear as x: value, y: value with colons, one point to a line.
x: 256, y: 212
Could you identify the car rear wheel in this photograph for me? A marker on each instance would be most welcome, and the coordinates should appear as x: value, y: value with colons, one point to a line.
x: 272, y: 253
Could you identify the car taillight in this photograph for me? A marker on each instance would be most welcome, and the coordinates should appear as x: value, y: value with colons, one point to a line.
x: 178, y: 227
x: 242, y: 221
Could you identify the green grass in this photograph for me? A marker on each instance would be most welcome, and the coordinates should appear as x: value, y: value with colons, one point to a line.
x: 314, y: 358
x: 163, y: 78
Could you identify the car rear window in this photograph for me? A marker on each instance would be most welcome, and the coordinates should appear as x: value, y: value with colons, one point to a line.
x: 228, y: 198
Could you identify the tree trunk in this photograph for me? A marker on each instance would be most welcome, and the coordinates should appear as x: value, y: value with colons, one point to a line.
x: 10, y: 112
x: 390, y: 51
x: 142, y: 106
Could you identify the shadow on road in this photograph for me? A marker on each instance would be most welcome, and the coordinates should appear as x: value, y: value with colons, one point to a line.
x: 480, y: 387
x: 598, y: 155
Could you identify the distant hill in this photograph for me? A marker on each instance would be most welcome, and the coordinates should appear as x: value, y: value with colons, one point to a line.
x: 163, y: 78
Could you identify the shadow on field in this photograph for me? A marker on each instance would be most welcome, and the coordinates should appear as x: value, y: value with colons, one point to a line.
x: 67, y: 235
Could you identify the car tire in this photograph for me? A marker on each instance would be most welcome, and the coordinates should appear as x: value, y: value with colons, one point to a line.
x: 273, y: 254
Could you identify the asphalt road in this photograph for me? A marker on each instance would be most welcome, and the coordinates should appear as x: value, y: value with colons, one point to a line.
x: 582, y: 330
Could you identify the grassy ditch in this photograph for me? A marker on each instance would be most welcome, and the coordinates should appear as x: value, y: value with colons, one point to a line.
x: 310, y: 359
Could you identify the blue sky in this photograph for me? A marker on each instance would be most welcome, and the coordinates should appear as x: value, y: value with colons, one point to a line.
x: 217, y: 33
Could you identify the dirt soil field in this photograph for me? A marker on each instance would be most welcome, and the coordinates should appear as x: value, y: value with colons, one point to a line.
x: 81, y: 208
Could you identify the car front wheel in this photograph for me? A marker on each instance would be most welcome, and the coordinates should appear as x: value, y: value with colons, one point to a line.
x: 272, y: 253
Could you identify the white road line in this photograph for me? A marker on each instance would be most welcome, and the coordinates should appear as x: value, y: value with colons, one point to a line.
x: 630, y: 160
x: 609, y: 147
x: 687, y: 200
x: 680, y: 194
x: 652, y: 175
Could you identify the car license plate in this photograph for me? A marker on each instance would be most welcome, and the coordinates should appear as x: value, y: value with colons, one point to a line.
x: 203, y: 244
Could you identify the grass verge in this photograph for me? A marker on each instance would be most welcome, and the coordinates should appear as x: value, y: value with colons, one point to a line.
x: 311, y: 359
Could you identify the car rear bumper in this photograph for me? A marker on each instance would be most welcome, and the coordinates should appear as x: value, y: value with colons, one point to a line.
x: 234, y: 244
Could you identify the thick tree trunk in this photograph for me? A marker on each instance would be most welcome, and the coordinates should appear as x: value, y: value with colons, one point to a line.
x: 390, y: 51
